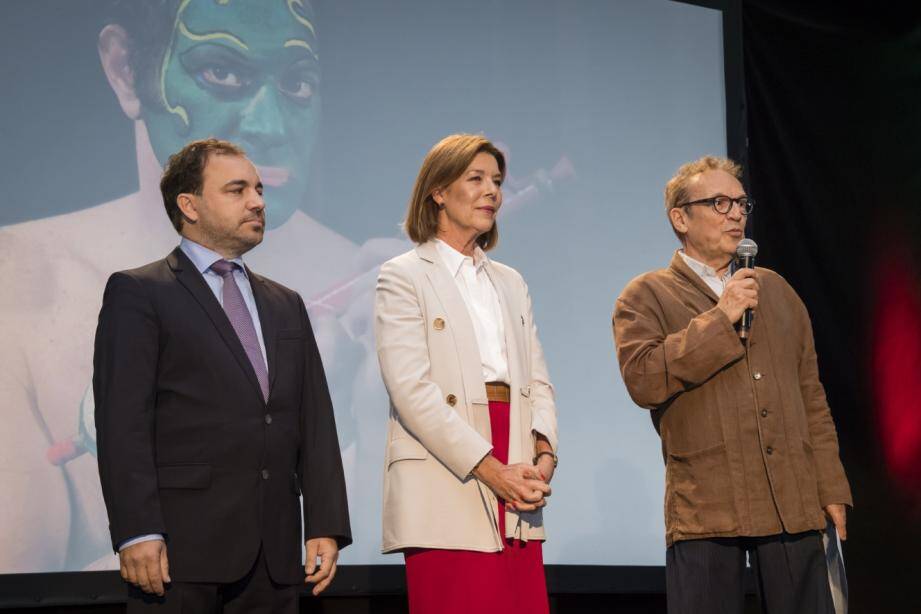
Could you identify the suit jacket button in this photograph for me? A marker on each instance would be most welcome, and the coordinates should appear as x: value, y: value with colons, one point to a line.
x: 265, y: 474
x: 268, y: 418
x: 438, y: 324
x: 452, y: 400
x: 757, y: 376
x: 769, y: 450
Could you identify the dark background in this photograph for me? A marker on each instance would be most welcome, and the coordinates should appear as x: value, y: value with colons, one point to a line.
x: 832, y: 110
x: 834, y: 128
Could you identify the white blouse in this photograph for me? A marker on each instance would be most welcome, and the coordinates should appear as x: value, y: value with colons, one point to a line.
x: 482, y: 303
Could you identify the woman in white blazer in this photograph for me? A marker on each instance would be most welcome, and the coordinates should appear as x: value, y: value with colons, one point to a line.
x: 472, y: 437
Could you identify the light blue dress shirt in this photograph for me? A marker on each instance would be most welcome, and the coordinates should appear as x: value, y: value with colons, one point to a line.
x: 203, y: 258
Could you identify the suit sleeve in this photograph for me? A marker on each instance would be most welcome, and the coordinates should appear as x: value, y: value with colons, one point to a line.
x: 656, y: 365
x: 832, y: 482
x: 326, y: 508
x: 402, y: 350
x: 543, y: 405
x: 124, y: 385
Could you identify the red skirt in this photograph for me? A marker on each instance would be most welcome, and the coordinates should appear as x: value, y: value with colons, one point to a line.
x: 461, y: 581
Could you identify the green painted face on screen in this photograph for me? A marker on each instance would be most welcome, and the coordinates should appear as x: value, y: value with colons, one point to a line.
x: 246, y: 71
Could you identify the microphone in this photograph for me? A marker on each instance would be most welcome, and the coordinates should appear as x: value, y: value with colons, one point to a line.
x: 746, y: 251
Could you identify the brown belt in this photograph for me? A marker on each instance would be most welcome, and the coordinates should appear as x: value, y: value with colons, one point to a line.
x: 498, y: 391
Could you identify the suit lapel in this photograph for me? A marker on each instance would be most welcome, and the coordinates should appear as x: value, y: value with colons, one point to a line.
x: 268, y: 321
x: 192, y: 280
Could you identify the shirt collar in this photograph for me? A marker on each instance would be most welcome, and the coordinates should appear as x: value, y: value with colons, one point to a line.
x: 703, y: 270
x: 203, y: 258
x: 453, y: 259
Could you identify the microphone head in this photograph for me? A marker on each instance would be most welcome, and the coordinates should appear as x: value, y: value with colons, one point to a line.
x: 746, y: 248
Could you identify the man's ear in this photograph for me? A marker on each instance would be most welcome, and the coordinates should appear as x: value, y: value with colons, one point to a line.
x: 114, y: 54
x: 188, y: 205
x: 679, y: 219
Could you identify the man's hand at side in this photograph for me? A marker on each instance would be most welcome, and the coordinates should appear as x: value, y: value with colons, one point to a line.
x: 320, y: 576
x: 146, y: 566
x: 837, y: 513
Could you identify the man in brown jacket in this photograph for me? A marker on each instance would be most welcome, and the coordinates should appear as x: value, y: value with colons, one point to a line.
x: 750, y: 448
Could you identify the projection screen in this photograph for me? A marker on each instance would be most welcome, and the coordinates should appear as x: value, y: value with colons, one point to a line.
x: 595, y: 102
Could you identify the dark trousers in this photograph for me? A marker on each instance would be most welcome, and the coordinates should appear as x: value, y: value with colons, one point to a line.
x: 707, y: 576
x: 254, y: 593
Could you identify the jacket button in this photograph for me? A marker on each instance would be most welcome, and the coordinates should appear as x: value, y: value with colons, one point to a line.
x: 757, y: 376
x: 268, y: 418
x: 764, y: 413
x: 451, y: 399
x: 265, y: 474
x: 438, y: 324
x: 769, y: 450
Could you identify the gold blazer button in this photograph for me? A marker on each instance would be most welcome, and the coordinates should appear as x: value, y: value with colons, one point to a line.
x: 438, y: 323
x: 451, y: 399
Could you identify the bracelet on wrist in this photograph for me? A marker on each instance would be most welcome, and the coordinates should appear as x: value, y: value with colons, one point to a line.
x: 553, y: 456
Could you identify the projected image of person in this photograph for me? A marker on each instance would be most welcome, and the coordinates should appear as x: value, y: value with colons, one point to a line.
x: 750, y: 447
x: 472, y: 416
x: 247, y: 71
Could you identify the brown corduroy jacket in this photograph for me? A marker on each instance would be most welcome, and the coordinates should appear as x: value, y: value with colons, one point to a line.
x: 749, y: 444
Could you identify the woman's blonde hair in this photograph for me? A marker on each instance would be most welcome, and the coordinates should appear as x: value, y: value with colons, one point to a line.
x: 443, y: 164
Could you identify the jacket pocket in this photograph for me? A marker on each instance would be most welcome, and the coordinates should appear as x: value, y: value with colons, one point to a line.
x: 405, y: 448
x: 184, y: 476
x: 699, y: 494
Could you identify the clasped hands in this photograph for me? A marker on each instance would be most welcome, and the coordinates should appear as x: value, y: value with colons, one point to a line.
x: 524, y: 487
x: 146, y: 564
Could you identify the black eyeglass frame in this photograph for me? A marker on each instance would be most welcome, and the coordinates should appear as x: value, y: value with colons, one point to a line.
x: 746, y: 210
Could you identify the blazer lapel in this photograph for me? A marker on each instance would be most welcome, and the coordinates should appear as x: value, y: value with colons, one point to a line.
x: 192, y: 280
x: 459, y: 322
x: 269, y: 324
x: 510, y: 321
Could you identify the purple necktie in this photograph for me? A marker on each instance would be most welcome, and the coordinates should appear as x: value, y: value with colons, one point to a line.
x: 242, y: 322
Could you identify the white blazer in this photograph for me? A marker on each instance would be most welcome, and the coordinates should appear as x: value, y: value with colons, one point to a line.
x: 439, y: 414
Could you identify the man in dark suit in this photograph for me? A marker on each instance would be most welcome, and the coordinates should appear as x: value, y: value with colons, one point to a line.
x: 212, y: 411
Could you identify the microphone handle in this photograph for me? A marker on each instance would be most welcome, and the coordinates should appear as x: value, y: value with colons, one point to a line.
x: 745, y: 326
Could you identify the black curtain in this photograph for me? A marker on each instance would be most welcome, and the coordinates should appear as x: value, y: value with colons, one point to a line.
x: 834, y: 162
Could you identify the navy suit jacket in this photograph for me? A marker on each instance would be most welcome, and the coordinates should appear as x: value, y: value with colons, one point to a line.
x: 188, y: 447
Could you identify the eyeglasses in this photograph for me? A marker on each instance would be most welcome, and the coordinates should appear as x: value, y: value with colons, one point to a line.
x: 723, y: 204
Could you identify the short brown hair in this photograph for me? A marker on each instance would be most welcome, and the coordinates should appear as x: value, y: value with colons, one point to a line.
x: 443, y: 164
x: 676, y: 190
x: 185, y: 173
